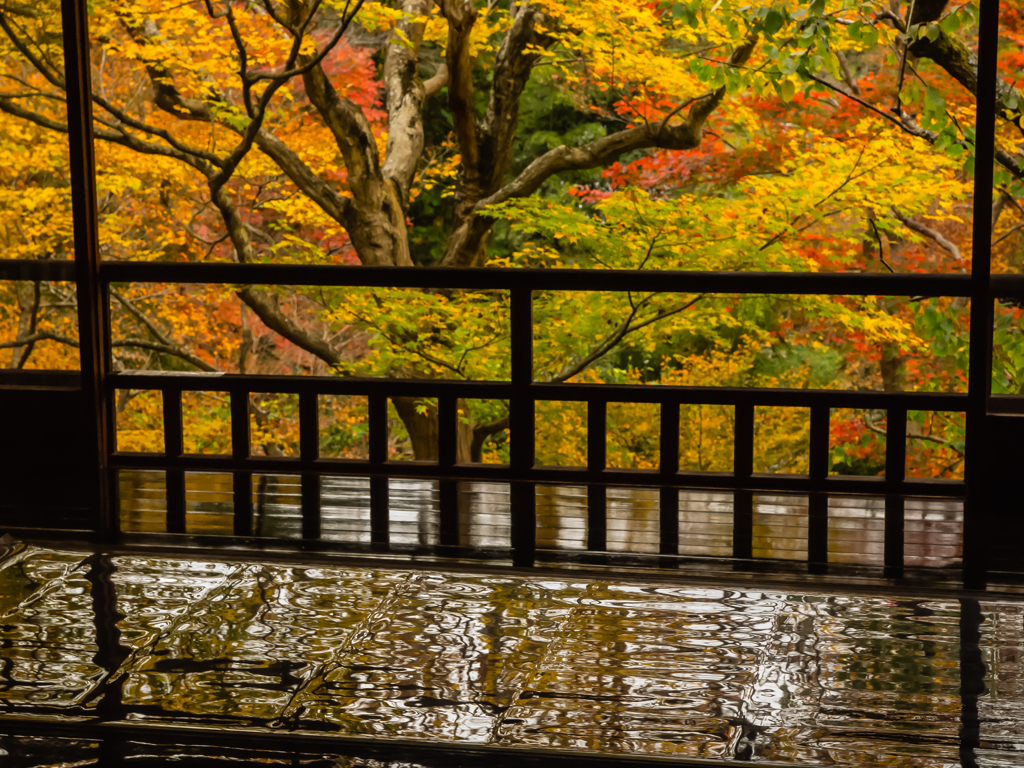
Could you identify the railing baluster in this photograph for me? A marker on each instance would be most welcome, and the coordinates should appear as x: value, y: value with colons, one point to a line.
x: 174, y: 448
x: 668, y: 533
x: 895, y: 473
x: 241, y: 481
x: 522, y: 427
x: 309, y: 452
x: 448, y: 449
x: 743, y: 468
x: 597, y: 493
x: 523, y: 509
x: 817, y: 512
x: 377, y: 416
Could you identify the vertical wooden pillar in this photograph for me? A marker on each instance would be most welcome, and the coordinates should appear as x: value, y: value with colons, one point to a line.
x: 93, y: 300
x: 979, y: 376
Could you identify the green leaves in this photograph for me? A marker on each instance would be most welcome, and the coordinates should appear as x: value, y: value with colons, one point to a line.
x: 1007, y: 351
x: 773, y: 22
x: 230, y: 115
x: 688, y: 13
x: 863, y: 33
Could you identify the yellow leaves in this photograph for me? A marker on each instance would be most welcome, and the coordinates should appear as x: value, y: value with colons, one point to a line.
x: 378, y: 17
x: 436, y: 30
x: 634, y: 46
x: 460, y: 336
x: 633, y: 435
x: 35, y: 196
x: 139, y: 417
x: 441, y: 169
x: 46, y: 354
x: 484, y: 37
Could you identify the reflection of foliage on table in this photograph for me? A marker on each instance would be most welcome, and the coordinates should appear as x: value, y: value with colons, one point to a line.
x: 691, y: 135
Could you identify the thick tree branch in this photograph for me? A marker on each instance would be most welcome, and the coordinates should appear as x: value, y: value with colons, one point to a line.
x: 481, y: 433
x: 166, y: 95
x: 352, y: 132
x: 405, y: 94
x: 319, y: 191
x: 8, y: 105
x: 376, y: 217
x: 52, y: 75
x: 183, y: 150
x: 490, y: 144
x: 275, y: 80
x: 512, y: 66
x: 465, y: 246
x: 268, y: 309
x: 177, y: 149
x: 438, y: 81
x: 951, y: 54
x: 962, y: 64
x: 266, y: 305
x: 461, y: 15
x: 685, y: 135
x: 168, y: 98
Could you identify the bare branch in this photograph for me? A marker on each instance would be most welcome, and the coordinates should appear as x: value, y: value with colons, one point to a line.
x: 25, y: 50
x: 519, y: 52
x: 39, y: 336
x: 848, y: 78
x: 165, y: 344
x: 941, y: 240
x: 438, y: 81
x: 173, y: 351
x: 905, y: 123
x: 625, y: 328
x: 183, y: 149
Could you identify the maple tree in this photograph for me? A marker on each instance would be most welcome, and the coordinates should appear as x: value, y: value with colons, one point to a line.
x: 825, y: 136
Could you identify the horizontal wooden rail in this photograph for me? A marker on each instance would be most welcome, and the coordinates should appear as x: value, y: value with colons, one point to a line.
x: 543, y: 475
x: 497, y: 390
x: 793, y: 283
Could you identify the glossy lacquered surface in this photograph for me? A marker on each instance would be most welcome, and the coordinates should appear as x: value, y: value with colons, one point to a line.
x: 581, y: 665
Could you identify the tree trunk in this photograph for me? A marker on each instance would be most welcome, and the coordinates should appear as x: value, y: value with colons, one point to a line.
x: 423, y: 429
x: 891, y: 366
x: 28, y: 295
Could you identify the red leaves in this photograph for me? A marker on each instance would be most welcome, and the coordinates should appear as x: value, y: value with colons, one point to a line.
x: 353, y: 75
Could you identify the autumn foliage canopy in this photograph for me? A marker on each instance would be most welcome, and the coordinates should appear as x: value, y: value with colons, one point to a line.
x: 835, y: 135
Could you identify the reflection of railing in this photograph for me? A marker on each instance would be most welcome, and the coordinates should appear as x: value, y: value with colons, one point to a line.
x: 522, y: 392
